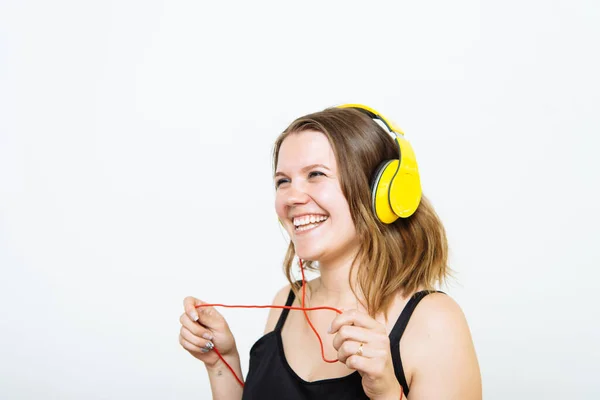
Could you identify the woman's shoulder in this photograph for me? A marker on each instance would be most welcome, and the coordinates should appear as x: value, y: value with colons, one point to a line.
x: 437, y: 343
x: 438, y: 319
x: 437, y: 311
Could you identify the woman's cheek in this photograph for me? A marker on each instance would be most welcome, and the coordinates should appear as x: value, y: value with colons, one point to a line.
x: 328, y: 198
x: 280, y: 209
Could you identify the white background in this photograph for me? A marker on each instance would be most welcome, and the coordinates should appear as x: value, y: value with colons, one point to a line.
x: 135, y: 143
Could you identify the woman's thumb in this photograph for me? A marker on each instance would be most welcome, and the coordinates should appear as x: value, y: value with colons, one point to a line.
x: 210, y: 318
x: 207, y: 316
x: 189, y: 305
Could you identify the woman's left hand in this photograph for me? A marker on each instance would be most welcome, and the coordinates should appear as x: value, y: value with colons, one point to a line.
x: 363, y: 344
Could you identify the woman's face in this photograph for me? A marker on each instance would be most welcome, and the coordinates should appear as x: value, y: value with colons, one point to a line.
x: 309, y: 199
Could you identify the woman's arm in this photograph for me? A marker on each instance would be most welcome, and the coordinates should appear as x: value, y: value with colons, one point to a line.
x: 438, y: 352
x: 223, y: 384
x: 202, y: 330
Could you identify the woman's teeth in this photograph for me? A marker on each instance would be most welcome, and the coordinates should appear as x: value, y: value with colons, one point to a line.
x: 307, y: 222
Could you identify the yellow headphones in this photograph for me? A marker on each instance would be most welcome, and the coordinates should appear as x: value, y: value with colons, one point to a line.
x: 396, y: 186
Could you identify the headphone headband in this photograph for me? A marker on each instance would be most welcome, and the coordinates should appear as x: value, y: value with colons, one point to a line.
x: 375, y: 115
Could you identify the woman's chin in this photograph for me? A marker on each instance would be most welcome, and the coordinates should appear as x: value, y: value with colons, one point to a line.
x: 308, y: 254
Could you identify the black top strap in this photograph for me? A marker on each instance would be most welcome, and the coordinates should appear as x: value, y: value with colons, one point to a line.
x: 398, y: 331
x: 286, y: 311
x: 409, y: 308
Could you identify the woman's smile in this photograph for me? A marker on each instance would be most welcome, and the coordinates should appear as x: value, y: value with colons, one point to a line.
x: 309, y: 225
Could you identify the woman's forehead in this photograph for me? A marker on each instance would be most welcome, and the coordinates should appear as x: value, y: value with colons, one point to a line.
x: 299, y: 150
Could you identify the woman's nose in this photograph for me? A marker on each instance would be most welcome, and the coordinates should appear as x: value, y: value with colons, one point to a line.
x: 296, y: 195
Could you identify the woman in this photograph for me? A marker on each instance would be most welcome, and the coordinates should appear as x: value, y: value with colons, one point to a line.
x: 374, y: 265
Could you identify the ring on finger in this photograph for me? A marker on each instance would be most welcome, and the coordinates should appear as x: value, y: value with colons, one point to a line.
x: 359, y: 352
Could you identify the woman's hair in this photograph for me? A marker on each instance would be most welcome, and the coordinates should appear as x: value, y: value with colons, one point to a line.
x: 409, y: 253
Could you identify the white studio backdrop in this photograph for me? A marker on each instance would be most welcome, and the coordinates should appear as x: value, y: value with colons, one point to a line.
x: 135, y: 170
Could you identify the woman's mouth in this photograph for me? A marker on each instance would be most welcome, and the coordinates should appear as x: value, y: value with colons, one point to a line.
x: 308, y: 222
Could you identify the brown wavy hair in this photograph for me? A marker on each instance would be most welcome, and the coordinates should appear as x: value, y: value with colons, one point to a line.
x: 410, y: 253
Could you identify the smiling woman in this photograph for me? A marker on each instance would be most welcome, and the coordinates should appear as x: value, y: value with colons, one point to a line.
x: 308, y: 187
x: 349, y: 197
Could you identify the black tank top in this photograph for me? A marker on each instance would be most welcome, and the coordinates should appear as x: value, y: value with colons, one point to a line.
x: 271, y: 377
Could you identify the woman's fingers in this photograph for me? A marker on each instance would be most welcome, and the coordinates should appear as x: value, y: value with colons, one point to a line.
x: 190, y: 325
x: 371, y: 367
x: 356, y: 318
x: 351, y: 348
x: 359, y: 338
x: 207, y: 316
x: 204, y: 345
x: 192, y: 348
x: 351, y: 332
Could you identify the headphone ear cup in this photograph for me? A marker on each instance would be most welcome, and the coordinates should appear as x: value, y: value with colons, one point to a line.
x: 405, y: 187
x: 380, y: 191
x: 405, y: 194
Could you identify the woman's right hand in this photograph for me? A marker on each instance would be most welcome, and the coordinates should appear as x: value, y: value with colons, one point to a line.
x: 202, y: 329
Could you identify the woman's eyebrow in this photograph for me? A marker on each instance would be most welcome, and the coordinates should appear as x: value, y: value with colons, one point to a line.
x: 305, y: 169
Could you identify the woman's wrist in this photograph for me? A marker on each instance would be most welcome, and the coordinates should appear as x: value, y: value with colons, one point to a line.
x: 394, y: 394
x: 225, y: 383
x: 232, y: 358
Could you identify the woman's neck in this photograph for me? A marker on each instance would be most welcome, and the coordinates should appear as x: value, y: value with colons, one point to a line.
x: 333, y: 286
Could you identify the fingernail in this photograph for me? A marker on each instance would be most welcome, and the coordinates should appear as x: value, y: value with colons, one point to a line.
x: 194, y: 315
x: 207, y: 336
x: 330, y: 328
x: 203, y: 350
x: 209, y: 346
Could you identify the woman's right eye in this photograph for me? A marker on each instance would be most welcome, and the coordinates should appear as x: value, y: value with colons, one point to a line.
x: 279, y: 182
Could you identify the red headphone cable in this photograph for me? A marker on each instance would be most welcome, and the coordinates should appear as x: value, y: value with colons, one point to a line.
x: 303, y: 308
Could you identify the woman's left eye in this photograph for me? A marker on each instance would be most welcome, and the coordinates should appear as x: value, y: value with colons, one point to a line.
x: 315, y: 173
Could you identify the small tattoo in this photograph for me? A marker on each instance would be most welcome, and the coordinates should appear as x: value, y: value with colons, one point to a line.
x: 219, y: 373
